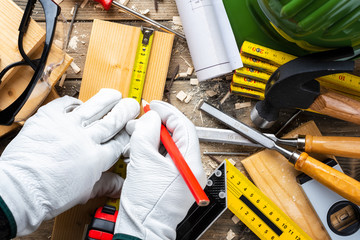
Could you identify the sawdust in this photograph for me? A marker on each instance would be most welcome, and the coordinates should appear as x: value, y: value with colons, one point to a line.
x: 73, y: 42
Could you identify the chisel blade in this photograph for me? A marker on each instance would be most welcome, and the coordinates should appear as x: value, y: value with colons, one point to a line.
x: 239, y: 127
x: 227, y: 136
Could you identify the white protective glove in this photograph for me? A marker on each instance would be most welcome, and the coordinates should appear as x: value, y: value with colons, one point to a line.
x: 58, y: 158
x: 155, y: 197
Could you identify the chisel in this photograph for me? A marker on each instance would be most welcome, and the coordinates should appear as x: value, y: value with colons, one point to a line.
x: 337, y: 146
x: 340, y: 183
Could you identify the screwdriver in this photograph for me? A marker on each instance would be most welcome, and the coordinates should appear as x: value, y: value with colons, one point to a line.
x: 107, y: 4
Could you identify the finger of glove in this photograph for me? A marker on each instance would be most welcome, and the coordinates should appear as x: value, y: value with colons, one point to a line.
x: 183, y: 131
x: 112, y: 150
x: 183, y: 134
x: 97, y: 107
x: 64, y: 104
x: 145, y: 135
x: 106, y: 128
x: 109, y: 185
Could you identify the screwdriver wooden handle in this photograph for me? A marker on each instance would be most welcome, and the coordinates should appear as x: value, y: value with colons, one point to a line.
x: 337, y: 105
x: 337, y: 181
x: 337, y: 146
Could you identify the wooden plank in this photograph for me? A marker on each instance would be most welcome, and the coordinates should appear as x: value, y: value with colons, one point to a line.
x: 18, y: 82
x: 167, y: 9
x: 273, y: 175
x: 10, y: 18
x: 111, y: 57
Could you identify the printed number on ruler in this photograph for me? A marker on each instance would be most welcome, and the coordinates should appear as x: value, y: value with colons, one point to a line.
x: 141, y: 63
x: 257, y: 211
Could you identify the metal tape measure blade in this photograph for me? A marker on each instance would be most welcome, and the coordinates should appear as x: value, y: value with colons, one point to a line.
x: 141, y: 63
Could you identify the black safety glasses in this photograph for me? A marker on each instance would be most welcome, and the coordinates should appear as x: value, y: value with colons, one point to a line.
x: 10, y: 112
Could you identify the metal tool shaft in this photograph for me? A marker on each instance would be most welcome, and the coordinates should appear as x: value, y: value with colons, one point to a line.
x: 223, y: 136
x: 244, y: 130
x: 146, y: 19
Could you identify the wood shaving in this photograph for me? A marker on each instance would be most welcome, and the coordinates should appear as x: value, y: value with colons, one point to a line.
x: 194, y: 81
x: 230, y: 235
x: 188, y: 99
x: 190, y: 70
x: 62, y: 80
x: 83, y: 4
x: 211, y: 93
x: 177, y: 20
x: 124, y: 2
x: 235, y: 219
x: 144, y: 12
x: 242, y: 105
x: 181, y: 96
x: 75, y: 67
x: 182, y: 75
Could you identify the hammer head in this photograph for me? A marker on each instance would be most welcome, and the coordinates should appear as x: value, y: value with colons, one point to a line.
x: 293, y: 84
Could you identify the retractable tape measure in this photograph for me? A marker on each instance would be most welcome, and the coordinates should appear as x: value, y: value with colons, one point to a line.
x: 141, y: 63
x: 247, y: 202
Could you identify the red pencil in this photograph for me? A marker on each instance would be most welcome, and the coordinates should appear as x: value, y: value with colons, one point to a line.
x: 179, y: 161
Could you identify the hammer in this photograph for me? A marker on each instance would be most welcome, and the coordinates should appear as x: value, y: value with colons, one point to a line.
x: 293, y: 85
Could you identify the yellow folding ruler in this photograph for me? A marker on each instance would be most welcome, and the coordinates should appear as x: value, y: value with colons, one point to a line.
x: 141, y: 63
x: 228, y: 188
x: 267, y: 60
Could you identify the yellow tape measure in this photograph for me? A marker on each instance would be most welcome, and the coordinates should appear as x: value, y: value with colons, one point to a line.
x: 257, y: 211
x: 141, y: 63
x: 344, y: 82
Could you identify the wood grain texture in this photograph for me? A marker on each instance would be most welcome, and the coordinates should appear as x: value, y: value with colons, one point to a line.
x: 338, y: 106
x: 10, y: 18
x: 338, y: 146
x: 273, y: 175
x: 111, y: 56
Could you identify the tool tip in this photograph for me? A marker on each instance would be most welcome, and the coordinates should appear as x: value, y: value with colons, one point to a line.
x: 203, y: 203
x: 145, y: 105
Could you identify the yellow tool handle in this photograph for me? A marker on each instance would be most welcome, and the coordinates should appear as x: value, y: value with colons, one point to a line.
x: 338, y: 146
x: 337, y: 105
x: 337, y: 181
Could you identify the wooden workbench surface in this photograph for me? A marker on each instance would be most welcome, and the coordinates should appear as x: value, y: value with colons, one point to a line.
x: 180, y: 56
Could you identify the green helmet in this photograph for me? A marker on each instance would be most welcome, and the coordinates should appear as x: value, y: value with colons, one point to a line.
x: 296, y: 26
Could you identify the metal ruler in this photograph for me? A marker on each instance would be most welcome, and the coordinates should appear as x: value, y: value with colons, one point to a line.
x: 141, y: 63
x: 250, y: 205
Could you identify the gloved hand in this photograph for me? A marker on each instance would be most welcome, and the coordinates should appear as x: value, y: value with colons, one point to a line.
x: 58, y: 158
x: 155, y: 198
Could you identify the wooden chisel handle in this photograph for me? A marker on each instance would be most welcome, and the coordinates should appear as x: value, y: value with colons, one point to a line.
x: 337, y: 181
x: 337, y: 146
x: 337, y: 105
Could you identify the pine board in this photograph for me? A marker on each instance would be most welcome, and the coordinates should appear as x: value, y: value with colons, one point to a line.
x: 272, y: 174
x: 110, y: 65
